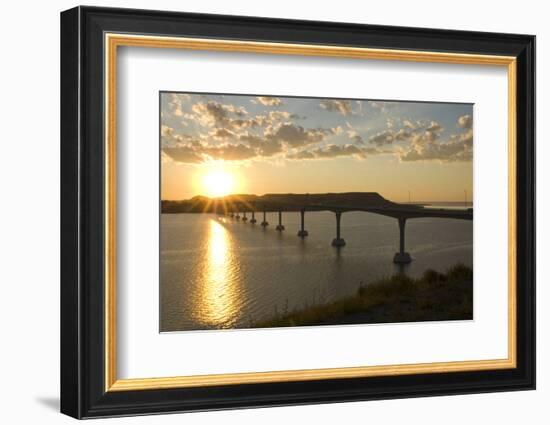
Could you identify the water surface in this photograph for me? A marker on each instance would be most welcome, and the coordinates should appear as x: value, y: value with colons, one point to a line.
x: 217, y: 272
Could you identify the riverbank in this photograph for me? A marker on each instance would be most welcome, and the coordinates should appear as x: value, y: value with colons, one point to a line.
x: 433, y: 297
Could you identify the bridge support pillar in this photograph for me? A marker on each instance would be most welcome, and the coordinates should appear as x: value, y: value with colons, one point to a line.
x: 253, y: 219
x: 264, y: 223
x: 245, y: 218
x: 237, y: 216
x: 280, y: 226
x: 402, y: 257
x: 231, y: 215
x: 338, y: 241
x: 302, y: 232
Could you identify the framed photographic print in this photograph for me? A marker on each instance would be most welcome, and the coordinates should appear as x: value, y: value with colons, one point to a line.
x: 261, y: 212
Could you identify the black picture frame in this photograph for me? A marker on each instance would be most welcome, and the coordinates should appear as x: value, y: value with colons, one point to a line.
x: 83, y: 392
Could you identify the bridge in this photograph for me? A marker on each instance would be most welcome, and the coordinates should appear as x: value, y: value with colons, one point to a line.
x: 338, y: 204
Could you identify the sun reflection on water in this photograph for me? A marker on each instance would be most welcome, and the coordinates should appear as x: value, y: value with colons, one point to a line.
x: 219, y: 300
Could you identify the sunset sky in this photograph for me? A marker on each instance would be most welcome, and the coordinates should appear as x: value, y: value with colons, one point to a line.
x: 220, y: 144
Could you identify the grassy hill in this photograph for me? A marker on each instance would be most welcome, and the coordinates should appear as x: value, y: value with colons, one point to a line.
x: 434, y: 296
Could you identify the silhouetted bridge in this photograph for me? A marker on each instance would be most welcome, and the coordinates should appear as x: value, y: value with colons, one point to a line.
x: 339, y: 204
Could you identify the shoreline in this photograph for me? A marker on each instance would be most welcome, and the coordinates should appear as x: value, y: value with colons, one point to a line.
x: 433, y: 297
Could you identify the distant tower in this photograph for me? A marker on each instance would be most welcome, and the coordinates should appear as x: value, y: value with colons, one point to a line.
x: 409, y: 196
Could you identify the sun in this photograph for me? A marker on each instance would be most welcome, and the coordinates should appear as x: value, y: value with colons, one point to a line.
x: 217, y: 183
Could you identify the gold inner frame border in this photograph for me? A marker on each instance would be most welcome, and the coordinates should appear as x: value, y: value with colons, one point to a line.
x: 113, y: 40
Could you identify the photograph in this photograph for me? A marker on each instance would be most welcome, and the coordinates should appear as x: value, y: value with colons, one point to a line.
x: 283, y: 211
x: 263, y: 211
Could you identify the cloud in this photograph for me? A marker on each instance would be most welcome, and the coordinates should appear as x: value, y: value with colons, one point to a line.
x: 301, y: 155
x: 194, y: 154
x: 410, y: 125
x: 230, y: 152
x: 467, y: 138
x: 267, y: 101
x: 424, y: 137
x: 244, y: 146
x: 354, y: 135
x: 226, y: 131
x: 382, y: 106
x: 283, y: 139
x: 274, y: 116
x: 166, y: 131
x: 240, y: 124
x: 384, y: 137
x: 233, y: 135
x: 337, y: 130
x: 341, y: 106
x: 270, y: 148
x: 401, y: 135
x: 434, y: 126
x: 389, y: 136
x: 175, y: 103
x: 426, y: 147
x: 170, y: 139
x: 212, y: 113
x: 164, y: 158
x: 465, y: 121
x: 265, y: 146
x: 444, y: 152
x: 335, y: 151
x: 222, y: 134
x: 251, y: 139
x: 184, y: 154
x: 215, y: 114
x: 296, y: 135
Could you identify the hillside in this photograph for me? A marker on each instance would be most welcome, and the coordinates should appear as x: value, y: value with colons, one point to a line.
x: 286, y: 202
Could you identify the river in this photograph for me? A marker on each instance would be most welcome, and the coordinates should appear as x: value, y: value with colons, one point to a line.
x: 219, y: 273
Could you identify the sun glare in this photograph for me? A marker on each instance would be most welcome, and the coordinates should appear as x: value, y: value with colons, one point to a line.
x: 217, y: 183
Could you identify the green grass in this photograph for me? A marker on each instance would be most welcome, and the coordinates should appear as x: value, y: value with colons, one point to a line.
x: 399, y: 298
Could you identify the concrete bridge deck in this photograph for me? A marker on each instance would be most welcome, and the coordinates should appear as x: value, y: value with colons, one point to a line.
x: 339, y: 204
x: 395, y: 211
